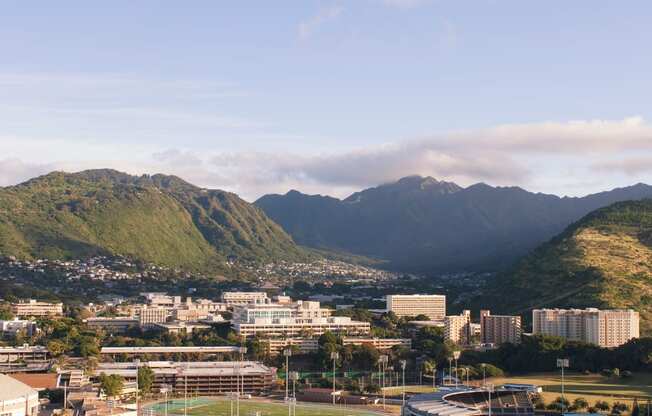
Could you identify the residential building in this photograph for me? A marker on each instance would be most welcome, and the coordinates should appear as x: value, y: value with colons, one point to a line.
x: 499, y: 329
x: 17, y: 398
x: 15, y: 326
x: 34, y: 308
x: 200, y: 377
x: 432, y: 306
x: 457, y: 328
x: 605, y: 328
x: 243, y: 298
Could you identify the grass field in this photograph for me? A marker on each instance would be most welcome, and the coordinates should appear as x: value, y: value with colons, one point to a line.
x: 222, y: 407
x: 591, y: 387
x: 392, y: 391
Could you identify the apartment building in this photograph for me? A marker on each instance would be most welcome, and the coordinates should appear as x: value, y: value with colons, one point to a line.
x: 499, y: 329
x: 243, y: 298
x: 605, y: 328
x: 432, y: 306
x: 457, y: 328
x: 34, y: 308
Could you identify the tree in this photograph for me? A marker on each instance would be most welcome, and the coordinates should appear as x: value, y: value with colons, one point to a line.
x: 635, y: 408
x: 618, y: 408
x: 601, y: 405
x: 57, y: 348
x: 580, y: 403
x: 111, y: 385
x: 145, y: 379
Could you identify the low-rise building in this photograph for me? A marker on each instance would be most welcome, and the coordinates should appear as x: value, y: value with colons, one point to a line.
x: 200, y: 377
x: 308, y: 345
x: 17, y: 398
x: 24, y: 353
x: 113, y: 325
x: 34, y: 308
x: 129, y: 353
x: 243, y: 298
x: 16, y: 326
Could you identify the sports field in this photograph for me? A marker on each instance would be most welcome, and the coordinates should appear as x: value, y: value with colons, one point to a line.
x: 222, y: 407
x: 393, y: 391
x: 591, y: 387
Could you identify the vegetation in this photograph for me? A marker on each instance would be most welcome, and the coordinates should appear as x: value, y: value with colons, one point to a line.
x: 158, y: 219
x: 424, y: 225
x: 145, y: 379
x: 111, y: 385
x: 603, y: 260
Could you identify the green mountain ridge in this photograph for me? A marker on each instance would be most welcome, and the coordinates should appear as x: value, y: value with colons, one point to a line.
x: 603, y: 260
x: 159, y: 219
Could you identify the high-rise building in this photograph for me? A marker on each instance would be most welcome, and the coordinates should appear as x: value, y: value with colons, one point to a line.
x: 432, y: 306
x: 499, y: 329
x: 605, y: 328
x: 457, y: 328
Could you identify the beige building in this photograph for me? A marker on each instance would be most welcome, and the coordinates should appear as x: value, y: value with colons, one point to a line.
x: 605, y: 328
x: 113, y: 325
x: 499, y: 329
x: 32, y: 307
x: 149, y: 315
x: 17, y: 398
x: 432, y: 306
x: 243, y: 298
x: 457, y: 328
x: 308, y: 345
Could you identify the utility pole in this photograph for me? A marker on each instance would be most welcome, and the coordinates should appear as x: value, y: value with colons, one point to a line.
x: 562, y: 363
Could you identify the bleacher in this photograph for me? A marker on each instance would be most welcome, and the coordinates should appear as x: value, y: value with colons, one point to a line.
x: 467, y: 402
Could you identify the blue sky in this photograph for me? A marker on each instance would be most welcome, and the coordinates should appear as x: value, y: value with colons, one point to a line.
x: 330, y: 96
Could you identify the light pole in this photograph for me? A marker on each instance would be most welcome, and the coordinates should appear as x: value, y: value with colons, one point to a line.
x: 403, y: 365
x: 383, y: 362
x: 450, y: 369
x: 137, y: 363
x: 164, y: 390
x: 334, y: 357
x: 293, y: 402
x: 456, y: 355
x: 434, y: 374
x: 484, y: 367
x: 242, y: 351
x: 287, y: 353
x: 489, y: 388
x: 562, y: 363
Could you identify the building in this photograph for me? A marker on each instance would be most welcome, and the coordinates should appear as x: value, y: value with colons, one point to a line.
x: 152, y: 315
x: 180, y: 327
x: 15, y: 326
x: 457, y: 328
x: 243, y: 298
x: 113, y: 325
x: 17, y: 398
x: 470, y: 402
x: 432, y: 306
x: 309, y: 345
x: 605, y: 328
x: 499, y: 329
x: 33, y: 308
x: 25, y: 353
x: 144, y: 352
x: 200, y: 377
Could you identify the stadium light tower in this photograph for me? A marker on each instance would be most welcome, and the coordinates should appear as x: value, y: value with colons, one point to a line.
x: 484, y: 368
x: 383, y: 359
x: 456, y: 355
x: 403, y: 365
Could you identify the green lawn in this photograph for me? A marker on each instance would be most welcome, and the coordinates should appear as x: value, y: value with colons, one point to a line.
x: 222, y: 407
x: 408, y: 389
x: 592, y: 387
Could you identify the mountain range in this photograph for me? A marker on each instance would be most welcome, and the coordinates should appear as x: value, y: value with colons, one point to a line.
x: 603, y: 260
x: 424, y: 225
x: 159, y: 219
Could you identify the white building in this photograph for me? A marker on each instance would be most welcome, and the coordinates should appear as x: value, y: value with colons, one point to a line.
x: 32, y: 307
x: 16, y: 325
x: 605, y: 328
x: 457, y: 328
x: 432, y: 306
x: 17, y: 398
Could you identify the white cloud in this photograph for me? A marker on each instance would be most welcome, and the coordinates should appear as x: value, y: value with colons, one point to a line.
x: 309, y: 26
x: 404, y: 4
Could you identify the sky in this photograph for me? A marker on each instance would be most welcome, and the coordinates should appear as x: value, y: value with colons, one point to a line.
x: 330, y: 97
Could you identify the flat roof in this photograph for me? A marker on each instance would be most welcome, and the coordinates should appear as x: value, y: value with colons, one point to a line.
x: 171, y: 350
x: 191, y: 368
